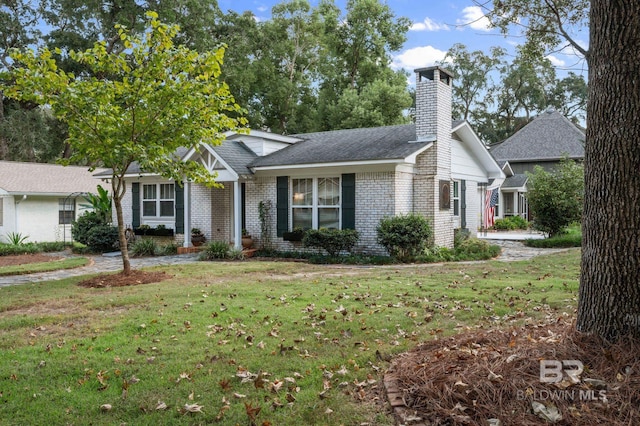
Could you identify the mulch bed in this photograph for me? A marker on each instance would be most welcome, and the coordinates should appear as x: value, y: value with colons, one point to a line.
x: 121, y: 280
x: 21, y: 259
x: 493, y: 378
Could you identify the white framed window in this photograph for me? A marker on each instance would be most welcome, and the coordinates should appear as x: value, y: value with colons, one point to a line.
x: 315, y: 203
x: 158, y: 200
x: 456, y: 198
x: 66, y: 211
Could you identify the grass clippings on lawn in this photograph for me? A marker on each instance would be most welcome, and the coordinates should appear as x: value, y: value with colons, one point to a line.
x: 475, y: 377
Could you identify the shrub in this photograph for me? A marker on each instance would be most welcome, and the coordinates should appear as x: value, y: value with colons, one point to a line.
x: 510, y: 223
x: 555, y: 199
x: 80, y: 228
x: 405, y: 236
x: 51, y: 246
x: 16, y: 238
x: 168, y: 249
x: 102, y: 238
x: 558, y: 241
x: 460, y: 235
x: 476, y: 249
x: 519, y: 222
x: 333, y: 241
x: 144, y: 247
x: 13, y: 249
x: 504, y: 224
x: 235, y: 254
x: 215, y: 250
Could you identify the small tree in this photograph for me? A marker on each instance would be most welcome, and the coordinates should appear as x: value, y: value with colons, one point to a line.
x: 555, y: 198
x: 140, y: 104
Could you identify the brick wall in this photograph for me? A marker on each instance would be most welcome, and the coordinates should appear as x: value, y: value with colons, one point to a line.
x: 220, y: 213
x: 433, y: 118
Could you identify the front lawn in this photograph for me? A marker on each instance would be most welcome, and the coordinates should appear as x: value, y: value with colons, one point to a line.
x: 252, y: 342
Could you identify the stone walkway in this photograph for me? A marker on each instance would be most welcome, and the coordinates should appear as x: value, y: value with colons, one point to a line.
x: 516, y: 250
x: 97, y: 265
x: 511, y: 251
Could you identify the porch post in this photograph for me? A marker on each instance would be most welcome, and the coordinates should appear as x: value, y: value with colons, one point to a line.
x: 237, y: 212
x: 187, y: 215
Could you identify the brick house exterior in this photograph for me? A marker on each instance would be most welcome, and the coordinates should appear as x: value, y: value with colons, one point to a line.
x: 344, y: 178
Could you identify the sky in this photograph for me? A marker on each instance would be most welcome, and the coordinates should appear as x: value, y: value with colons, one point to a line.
x: 437, y: 25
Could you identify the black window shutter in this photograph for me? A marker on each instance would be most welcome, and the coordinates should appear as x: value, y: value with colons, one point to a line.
x: 179, y: 209
x: 135, y: 204
x: 463, y: 204
x: 282, y: 205
x: 349, y: 201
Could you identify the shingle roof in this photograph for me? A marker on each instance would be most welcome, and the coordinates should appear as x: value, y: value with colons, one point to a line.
x: 550, y: 136
x: 237, y: 155
x: 374, y: 143
x: 41, y: 178
x: 515, y: 181
x: 234, y: 153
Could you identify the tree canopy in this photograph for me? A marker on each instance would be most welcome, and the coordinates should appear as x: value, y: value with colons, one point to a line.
x: 140, y: 103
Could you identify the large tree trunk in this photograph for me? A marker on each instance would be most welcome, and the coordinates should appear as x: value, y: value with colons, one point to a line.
x: 609, y: 303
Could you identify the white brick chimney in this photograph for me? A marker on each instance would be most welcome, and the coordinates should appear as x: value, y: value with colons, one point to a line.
x: 433, y: 168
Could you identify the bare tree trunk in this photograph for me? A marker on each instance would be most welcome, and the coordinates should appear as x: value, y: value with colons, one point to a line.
x: 118, y: 188
x: 609, y: 303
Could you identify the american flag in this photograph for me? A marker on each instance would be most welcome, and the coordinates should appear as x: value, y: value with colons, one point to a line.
x: 490, y: 202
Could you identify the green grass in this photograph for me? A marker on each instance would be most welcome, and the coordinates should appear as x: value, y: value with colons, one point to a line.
x: 311, y: 332
x: 31, y: 268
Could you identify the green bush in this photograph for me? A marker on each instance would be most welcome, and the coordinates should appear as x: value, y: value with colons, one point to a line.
x: 510, y: 223
x: 79, y: 248
x: 13, y: 249
x: 16, y: 238
x: 558, y: 241
x: 333, y: 241
x: 102, y: 238
x: 51, y: 246
x: 144, y: 247
x: 555, y: 199
x: 504, y: 224
x: 405, y: 236
x: 168, y: 249
x: 460, y: 235
x: 80, y: 228
x: 215, y: 250
x: 437, y: 254
x: 476, y: 249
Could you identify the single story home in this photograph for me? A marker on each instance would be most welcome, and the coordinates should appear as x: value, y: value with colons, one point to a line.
x: 543, y: 142
x: 41, y: 200
x: 344, y: 179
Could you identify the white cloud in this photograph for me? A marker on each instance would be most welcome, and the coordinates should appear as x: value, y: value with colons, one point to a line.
x: 472, y: 16
x: 555, y: 61
x: 428, y: 25
x: 262, y: 8
x: 418, y: 57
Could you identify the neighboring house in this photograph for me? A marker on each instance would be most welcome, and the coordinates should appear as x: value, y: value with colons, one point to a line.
x: 543, y: 142
x: 338, y: 179
x: 41, y: 200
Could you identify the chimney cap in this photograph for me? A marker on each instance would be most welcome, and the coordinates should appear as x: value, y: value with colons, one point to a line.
x: 435, y: 67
